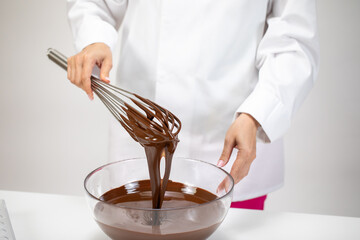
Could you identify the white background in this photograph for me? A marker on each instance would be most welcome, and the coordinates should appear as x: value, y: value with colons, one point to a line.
x: 51, y: 135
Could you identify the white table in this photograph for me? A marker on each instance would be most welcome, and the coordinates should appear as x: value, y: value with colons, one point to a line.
x: 37, y: 216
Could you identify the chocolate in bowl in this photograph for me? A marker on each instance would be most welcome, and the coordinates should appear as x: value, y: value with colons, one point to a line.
x: 192, y: 208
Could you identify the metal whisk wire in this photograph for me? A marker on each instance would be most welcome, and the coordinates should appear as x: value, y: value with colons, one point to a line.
x: 136, y: 114
x: 109, y: 95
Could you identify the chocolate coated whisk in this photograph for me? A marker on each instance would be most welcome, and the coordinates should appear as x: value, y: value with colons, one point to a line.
x: 144, y: 120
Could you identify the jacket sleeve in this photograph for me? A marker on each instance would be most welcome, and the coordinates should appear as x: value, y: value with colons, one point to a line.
x: 95, y: 21
x: 287, y: 59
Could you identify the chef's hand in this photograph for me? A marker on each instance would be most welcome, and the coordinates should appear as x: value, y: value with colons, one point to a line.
x: 241, y: 135
x: 80, y: 66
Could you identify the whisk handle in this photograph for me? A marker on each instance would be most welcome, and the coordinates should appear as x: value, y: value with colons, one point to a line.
x: 57, y: 57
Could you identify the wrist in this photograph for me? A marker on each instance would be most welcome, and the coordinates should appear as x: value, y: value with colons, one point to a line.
x: 250, y: 119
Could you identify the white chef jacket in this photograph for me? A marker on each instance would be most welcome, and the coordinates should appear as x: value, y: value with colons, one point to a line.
x: 207, y: 61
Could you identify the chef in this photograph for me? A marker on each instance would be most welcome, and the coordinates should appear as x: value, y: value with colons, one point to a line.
x: 235, y: 72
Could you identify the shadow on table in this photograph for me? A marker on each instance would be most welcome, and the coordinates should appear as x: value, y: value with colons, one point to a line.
x: 240, y: 226
x: 99, y: 236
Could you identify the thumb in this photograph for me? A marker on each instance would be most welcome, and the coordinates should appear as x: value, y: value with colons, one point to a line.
x: 226, y: 153
x: 105, y: 69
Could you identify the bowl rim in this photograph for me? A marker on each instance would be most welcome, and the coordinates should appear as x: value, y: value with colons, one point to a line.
x: 161, y: 209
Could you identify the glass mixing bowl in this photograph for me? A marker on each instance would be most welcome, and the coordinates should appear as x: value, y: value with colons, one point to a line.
x: 193, y: 222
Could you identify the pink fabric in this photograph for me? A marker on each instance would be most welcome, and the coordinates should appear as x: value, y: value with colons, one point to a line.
x: 255, y: 203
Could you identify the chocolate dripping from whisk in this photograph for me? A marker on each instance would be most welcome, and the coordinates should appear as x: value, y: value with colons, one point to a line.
x: 156, y: 131
x: 157, y: 142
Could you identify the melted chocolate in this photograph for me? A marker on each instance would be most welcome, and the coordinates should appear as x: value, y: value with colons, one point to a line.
x: 133, y: 221
x: 138, y: 194
x: 184, y: 214
x: 131, y: 212
x: 157, y: 133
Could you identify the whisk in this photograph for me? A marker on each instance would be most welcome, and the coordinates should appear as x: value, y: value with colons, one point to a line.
x: 144, y: 120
